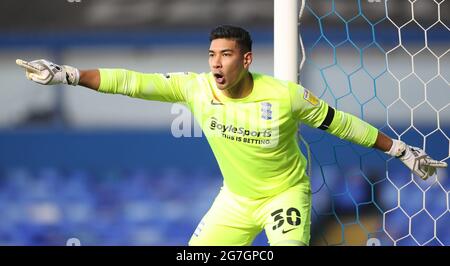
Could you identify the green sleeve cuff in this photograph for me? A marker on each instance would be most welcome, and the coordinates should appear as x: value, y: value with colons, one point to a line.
x: 105, y: 80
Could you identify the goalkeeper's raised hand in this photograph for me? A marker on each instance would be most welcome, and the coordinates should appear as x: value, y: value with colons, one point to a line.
x: 415, y: 159
x: 47, y: 73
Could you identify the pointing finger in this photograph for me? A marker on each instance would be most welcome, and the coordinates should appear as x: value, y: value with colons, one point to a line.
x: 27, y: 65
x: 434, y: 163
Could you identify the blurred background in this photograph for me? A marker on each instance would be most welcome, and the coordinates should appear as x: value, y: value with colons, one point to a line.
x: 106, y: 169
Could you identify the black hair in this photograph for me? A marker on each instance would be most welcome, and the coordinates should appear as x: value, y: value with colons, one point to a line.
x: 241, y: 36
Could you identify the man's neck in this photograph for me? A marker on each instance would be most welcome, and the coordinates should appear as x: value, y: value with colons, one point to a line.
x: 242, y: 89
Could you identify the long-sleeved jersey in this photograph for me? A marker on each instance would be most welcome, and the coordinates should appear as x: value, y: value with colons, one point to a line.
x: 253, y: 138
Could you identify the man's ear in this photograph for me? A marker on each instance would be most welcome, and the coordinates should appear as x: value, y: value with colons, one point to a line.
x: 248, y: 59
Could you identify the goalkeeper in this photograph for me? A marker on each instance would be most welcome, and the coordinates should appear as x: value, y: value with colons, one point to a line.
x: 251, y: 122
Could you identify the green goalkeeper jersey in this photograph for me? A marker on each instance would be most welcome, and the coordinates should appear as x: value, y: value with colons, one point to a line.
x: 253, y: 138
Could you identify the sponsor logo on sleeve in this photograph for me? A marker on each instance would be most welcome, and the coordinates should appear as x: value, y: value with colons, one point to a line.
x: 310, y: 97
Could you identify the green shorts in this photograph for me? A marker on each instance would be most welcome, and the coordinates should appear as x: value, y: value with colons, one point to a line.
x: 234, y: 220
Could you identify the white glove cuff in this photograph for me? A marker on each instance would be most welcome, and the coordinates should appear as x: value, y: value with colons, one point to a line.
x: 397, y: 149
x: 73, y: 75
x: 76, y: 78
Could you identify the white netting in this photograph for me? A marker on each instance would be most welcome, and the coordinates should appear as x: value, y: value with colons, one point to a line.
x: 387, y: 62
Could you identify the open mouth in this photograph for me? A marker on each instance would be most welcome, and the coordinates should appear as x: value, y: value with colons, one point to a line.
x: 219, y: 78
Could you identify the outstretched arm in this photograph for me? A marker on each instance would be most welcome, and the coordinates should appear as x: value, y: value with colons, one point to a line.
x: 47, y: 73
x: 317, y: 113
x: 157, y: 87
x: 414, y: 158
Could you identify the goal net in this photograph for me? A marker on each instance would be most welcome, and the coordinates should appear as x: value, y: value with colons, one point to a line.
x: 387, y: 62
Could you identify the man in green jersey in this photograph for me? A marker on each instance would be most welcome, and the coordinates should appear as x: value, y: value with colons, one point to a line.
x: 250, y: 121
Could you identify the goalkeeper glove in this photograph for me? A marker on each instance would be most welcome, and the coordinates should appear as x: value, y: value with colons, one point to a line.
x: 415, y: 159
x: 48, y: 73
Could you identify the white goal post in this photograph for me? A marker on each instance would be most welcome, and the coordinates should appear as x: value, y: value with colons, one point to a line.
x: 286, y: 40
